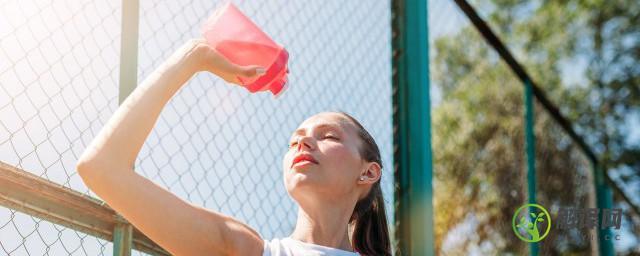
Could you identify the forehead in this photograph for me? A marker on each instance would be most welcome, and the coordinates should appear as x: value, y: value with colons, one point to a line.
x: 325, y: 121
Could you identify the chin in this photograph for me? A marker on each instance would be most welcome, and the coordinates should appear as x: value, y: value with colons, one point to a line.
x: 297, y: 179
x: 298, y: 182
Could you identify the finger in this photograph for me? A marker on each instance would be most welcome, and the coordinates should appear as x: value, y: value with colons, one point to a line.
x: 236, y: 72
x: 217, y: 63
x: 245, y: 72
x: 251, y: 71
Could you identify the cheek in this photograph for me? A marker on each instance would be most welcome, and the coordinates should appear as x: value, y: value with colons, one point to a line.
x: 342, y: 158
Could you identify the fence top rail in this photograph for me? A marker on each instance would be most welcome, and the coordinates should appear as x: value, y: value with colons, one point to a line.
x: 23, y: 191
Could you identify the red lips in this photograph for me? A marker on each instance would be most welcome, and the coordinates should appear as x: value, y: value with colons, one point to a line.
x: 303, y: 157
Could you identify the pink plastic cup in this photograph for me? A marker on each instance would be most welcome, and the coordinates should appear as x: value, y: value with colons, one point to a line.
x: 236, y: 37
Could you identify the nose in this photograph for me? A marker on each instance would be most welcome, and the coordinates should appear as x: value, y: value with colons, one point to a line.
x: 303, y: 141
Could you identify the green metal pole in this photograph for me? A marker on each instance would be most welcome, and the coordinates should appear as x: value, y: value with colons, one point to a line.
x: 412, y: 128
x: 122, y: 239
x: 123, y: 233
x: 604, y: 197
x: 530, y: 144
x: 129, y: 48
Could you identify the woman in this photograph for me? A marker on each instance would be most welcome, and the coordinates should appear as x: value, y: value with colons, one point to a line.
x: 332, y: 170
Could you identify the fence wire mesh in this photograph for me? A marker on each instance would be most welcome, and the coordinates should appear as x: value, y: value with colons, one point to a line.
x: 214, y: 144
x: 58, y: 78
x: 584, y: 56
x: 221, y: 147
x: 478, y: 131
x: 581, y: 55
x: 565, y: 180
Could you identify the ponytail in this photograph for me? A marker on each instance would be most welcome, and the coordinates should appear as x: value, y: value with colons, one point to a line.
x: 368, y: 222
x: 370, y: 231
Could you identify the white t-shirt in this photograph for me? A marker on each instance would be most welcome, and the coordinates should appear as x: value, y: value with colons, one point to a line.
x: 290, y: 247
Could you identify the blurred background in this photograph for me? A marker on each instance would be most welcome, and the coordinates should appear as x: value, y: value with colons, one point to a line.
x: 585, y: 56
x: 218, y: 146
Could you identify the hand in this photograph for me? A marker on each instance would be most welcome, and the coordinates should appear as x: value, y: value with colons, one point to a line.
x: 201, y: 57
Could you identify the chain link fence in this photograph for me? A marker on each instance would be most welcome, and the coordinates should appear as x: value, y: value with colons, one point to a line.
x: 480, y: 164
x: 565, y: 180
x: 478, y: 139
x: 58, y: 85
x: 214, y: 144
x: 221, y: 147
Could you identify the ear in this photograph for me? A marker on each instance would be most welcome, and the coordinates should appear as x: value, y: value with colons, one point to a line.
x: 371, y: 174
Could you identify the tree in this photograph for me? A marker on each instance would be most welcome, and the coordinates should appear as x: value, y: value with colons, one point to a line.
x: 478, y: 128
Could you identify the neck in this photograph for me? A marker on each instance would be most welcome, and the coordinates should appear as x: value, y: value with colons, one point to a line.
x: 322, y: 225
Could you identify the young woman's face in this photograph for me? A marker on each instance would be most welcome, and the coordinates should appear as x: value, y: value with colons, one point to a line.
x: 332, y: 141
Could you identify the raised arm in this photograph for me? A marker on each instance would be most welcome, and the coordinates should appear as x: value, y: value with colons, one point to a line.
x: 107, y: 164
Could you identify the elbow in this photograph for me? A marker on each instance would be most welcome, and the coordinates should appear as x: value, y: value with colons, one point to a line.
x: 89, y: 169
x: 92, y: 173
x: 86, y: 169
x: 97, y: 171
x: 87, y: 164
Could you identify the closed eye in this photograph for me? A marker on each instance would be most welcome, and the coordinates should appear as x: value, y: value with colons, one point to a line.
x: 331, y: 137
x: 325, y: 137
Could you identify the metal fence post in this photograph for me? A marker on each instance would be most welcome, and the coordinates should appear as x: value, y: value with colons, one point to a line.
x: 123, y: 232
x: 412, y: 128
x: 129, y: 48
x: 530, y: 144
x: 604, y: 199
x: 122, y: 239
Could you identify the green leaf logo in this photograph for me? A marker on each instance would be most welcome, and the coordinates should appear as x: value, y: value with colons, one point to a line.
x: 527, y: 226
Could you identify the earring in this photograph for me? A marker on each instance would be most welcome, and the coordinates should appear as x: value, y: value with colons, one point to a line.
x: 361, y: 178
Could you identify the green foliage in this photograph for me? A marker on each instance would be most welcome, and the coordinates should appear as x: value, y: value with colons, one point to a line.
x: 478, y: 128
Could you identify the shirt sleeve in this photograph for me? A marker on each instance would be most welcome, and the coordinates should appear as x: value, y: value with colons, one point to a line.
x: 266, y: 249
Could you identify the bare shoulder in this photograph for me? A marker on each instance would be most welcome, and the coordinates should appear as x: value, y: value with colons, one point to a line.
x: 240, y: 238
